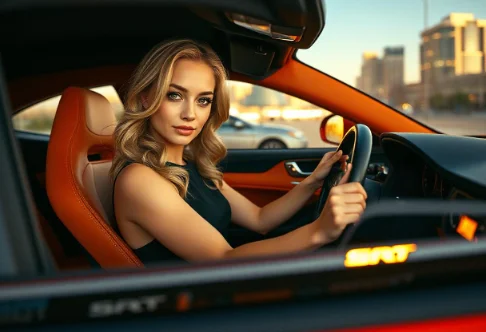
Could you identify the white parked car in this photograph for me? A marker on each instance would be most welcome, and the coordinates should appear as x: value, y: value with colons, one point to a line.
x: 239, y: 134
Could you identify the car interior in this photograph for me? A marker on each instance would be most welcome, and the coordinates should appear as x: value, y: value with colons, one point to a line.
x: 70, y: 48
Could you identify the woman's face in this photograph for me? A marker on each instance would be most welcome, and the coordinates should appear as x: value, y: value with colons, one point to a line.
x: 187, y: 105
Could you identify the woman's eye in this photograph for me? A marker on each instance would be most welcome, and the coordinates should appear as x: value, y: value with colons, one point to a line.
x: 174, y: 96
x: 205, y: 101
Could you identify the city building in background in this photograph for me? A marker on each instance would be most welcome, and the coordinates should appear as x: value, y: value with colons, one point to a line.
x: 383, y: 78
x: 393, y: 75
x: 371, y: 78
x: 258, y: 104
x: 455, y: 46
x: 452, y: 69
x: 452, y: 64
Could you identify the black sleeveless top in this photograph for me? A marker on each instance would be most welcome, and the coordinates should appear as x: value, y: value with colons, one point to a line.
x: 208, y: 203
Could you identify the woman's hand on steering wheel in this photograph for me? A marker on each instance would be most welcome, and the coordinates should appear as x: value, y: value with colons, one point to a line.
x: 322, y: 170
x: 345, y: 205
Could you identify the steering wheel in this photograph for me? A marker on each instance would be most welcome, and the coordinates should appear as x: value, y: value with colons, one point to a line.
x: 356, y: 143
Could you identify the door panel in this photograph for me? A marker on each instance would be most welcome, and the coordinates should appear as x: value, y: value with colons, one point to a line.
x: 262, y: 177
x: 276, y: 178
x: 267, y: 173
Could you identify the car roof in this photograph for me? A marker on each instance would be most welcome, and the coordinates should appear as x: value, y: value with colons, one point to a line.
x: 49, y: 36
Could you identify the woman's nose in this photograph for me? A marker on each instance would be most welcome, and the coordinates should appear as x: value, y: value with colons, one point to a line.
x: 188, y: 112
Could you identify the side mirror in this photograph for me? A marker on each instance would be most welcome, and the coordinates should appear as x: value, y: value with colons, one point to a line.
x: 333, y: 128
x: 239, y: 124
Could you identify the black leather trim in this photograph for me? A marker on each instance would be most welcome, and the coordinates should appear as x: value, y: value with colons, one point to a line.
x: 239, y: 161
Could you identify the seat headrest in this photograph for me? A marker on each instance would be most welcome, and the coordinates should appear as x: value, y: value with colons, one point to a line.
x: 100, y: 118
x: 83, y: 126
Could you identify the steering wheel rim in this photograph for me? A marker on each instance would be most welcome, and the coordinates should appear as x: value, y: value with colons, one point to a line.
x: 357, y: 144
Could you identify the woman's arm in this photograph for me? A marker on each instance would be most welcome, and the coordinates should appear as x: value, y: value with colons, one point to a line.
x: 262, y: 220
x: 169, y: 219
x: 345, y: 204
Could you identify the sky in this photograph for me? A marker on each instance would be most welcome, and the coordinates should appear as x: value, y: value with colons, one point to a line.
x: 356, y: 26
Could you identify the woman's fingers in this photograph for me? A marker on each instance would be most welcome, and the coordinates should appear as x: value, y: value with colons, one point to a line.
x: 350, y: 218
x: 346, y: 214
x: 354, y: 208
x: 345, y: 177
x: 352, y: 187
x: 343, y: 163
x: 347, y: 203
x: 352, y: 199
x: 332, y: 156
x: 338, y: 155
x: 349, y: 198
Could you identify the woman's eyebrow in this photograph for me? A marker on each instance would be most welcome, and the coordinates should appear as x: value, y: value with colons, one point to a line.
x: 181, y: 88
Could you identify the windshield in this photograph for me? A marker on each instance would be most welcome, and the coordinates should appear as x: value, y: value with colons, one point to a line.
x: 425, y: 58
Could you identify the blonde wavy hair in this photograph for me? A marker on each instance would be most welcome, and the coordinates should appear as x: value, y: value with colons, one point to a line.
x: 136, y: 140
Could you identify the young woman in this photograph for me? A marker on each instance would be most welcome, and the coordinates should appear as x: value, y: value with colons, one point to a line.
x: 171, y: 202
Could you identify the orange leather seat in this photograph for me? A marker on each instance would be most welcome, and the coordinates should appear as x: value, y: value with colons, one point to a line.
x: 79, y: 157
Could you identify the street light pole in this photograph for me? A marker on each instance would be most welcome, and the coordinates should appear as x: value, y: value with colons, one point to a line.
x: 426, y: 74
x: 481, y: 92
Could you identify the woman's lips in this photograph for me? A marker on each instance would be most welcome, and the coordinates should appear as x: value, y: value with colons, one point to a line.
x: 185, y: 131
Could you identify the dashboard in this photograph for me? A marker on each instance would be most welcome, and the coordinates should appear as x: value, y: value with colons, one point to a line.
x: 435, y: 166
x: 433, y: 184
x: 433, y: 169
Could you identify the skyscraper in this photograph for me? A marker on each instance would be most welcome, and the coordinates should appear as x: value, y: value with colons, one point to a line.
x: 454, y: 46
x: 393, y: 74
x: 383, y: 78
x: 371, y: 79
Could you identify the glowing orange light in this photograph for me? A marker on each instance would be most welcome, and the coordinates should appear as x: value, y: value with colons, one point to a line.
x: 467, y: 228
x: 373, y: 256
x: 183, y: 302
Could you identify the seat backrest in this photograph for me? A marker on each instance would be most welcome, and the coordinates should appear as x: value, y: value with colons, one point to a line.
x: 79, y: 157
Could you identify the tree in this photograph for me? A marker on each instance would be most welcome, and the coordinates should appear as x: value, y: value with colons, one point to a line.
x: 397, y: 95
x: 438, y: 101
x: 459, y: 101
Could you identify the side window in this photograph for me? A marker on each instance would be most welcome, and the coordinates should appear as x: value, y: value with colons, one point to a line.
x: 38, y: 118
x: 263, y: 118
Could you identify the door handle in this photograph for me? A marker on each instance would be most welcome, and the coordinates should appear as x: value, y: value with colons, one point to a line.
x: 294, y: 170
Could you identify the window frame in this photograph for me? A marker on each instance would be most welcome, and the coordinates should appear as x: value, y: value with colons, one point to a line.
x: 21, y: 247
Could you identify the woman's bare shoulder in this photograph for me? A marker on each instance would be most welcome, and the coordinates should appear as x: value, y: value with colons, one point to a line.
x: 136, y: 177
